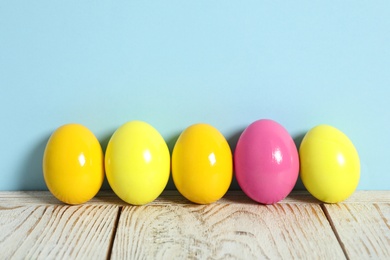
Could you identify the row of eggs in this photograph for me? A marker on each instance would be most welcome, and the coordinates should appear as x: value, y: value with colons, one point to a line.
x: 137, y: 163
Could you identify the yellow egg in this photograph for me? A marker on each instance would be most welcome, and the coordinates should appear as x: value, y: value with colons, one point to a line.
x: 73, y: 164
x: 202, y: 167
x: 330, y: 165
x: 137, y: 163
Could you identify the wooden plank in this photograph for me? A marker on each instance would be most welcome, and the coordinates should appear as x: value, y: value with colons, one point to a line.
x: 52, y: 232
x: 369, y: 196
x: 36, y: 225
x: 223, y: 231
x: 363, y: 229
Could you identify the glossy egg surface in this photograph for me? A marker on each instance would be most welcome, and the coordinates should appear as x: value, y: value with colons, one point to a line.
x: 73, y: 164
x: 266, y: 161
x: 330, y: 165
x: 137, y: 162
x: 202, y: 166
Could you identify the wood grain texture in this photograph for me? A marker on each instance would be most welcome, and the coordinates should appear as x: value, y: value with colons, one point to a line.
x: 56, y: 232
x: 225, y: 231
x: 364, y: 229
x: 35, y: 225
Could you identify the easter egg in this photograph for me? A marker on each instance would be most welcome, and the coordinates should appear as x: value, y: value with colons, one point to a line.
x: 137, y: 163
x: 73, y: 164
x: 266, y: 162
x: 330, y: 165
x: 202, y: 166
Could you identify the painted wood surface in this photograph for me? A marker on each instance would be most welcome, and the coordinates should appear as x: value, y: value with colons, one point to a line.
x: 56, y: 232
x: 34, y: 225
x: 225, y: 231
x: 363, y: 229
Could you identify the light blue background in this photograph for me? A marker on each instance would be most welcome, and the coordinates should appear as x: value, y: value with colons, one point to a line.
x: 176, y: 63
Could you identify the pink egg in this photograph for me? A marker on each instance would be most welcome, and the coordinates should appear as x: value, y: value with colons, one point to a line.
x: 266, y: 162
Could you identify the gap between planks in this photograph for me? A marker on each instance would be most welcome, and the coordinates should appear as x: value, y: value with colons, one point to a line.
x: 329, y: 218
x: 115, y: 228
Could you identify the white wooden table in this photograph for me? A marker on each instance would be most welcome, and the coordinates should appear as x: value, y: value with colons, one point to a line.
x: 34, y: 225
